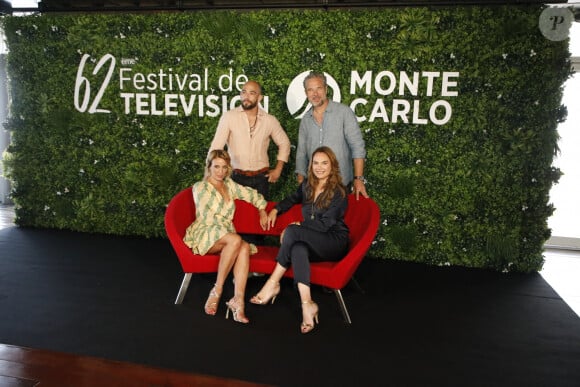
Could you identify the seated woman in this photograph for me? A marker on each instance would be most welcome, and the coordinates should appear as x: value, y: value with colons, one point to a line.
x: 322, y: 236
x: 213, y: 231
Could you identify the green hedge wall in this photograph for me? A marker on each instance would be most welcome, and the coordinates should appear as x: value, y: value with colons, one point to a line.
x: 471, y: 191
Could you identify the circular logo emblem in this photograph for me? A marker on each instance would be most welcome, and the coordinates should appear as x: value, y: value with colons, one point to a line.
x: 296, y: 97
x: 555, y: 23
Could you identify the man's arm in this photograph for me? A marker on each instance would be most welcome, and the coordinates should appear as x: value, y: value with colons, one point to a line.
x: 281, y: 139
x: 274, y: 174
x: 359, y: 184
x: 301, y: 156
x: 353, y: 137
x: 359, y: 167
x: 220, y: 137
x: 356, y: 144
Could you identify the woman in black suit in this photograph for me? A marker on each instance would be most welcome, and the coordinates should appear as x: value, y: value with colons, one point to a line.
x: 321, y: 236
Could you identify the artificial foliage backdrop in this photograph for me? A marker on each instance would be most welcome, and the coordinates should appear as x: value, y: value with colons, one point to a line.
x: 111, y: 115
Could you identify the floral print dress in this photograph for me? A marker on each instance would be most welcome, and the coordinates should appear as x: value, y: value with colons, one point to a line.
x: 214, y: 215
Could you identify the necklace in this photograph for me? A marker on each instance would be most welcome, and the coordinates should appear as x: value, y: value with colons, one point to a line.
x: 253, y: 127
x: 315, y: 198
x: 312, y: 209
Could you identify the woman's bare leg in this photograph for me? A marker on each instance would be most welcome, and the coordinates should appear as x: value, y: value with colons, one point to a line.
x: 304, y: 291
x: 271, y: 288
x: 228, y: 247
x: 241, y: 269
x: 241, y: 266
x: 309, y: 308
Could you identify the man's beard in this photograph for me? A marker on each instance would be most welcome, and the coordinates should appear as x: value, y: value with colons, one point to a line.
x: 320, y: 102
x: 249, y: 106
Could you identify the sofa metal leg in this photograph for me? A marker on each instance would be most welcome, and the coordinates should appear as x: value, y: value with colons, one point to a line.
x: 183, y: 288
x: 342, y: 306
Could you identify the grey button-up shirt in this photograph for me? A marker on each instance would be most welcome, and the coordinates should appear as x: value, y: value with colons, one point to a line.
x: 339, y: 131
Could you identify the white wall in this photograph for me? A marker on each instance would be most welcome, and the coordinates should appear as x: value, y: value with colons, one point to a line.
x: 4, y: 134
x: 566, y: 194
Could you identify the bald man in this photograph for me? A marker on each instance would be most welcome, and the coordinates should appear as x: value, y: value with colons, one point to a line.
x: 247, y: 131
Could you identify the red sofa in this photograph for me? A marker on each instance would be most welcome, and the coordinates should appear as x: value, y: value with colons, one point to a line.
x: 362, y: 218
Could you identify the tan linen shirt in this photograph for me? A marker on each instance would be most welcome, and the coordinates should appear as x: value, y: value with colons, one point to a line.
x: 250, y: 153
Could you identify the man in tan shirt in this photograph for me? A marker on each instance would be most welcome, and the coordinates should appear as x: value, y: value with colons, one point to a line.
x: 247, y: 131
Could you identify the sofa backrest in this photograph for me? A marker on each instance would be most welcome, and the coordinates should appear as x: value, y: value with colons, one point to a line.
x: 361, y: 215
x: 180, y: 211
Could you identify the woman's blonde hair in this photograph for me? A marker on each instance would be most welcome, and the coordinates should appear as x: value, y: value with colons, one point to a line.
x: 218, y: 154
x: 333, y: 183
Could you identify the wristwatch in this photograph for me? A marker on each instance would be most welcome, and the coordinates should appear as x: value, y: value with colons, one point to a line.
x: 361, y: 178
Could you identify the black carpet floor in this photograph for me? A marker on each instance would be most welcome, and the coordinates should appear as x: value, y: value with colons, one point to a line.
x: 414, y: 325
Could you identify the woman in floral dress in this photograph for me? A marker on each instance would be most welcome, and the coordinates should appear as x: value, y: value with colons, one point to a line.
x: 213, y: 230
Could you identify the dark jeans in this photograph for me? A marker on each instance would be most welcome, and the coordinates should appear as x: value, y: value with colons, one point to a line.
x: 260, y: 184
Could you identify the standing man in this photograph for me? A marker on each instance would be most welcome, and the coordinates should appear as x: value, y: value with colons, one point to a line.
x: 334, y: 125
x: 247, y: 131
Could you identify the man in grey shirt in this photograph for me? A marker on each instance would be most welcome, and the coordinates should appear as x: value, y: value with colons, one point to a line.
x: 334, y: 125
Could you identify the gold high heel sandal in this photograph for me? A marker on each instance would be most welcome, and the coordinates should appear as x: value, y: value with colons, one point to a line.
x: 263, y: 301
x: 237, y: 309
x: 211, y: 307
x: 307, y: 327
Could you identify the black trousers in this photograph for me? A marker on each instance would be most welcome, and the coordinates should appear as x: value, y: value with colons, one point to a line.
x: 302, y: 245
x: 260, y: 184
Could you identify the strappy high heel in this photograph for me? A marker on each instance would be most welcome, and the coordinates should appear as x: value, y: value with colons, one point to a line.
x: 211, y: 304
x: 263, y: 301
x: 237, y: 309
x: 307, y: 327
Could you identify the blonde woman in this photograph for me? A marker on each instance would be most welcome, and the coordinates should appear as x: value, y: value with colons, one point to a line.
x: 213, y: 230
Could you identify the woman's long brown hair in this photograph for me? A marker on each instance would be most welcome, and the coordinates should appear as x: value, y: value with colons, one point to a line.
x: 333, y: 183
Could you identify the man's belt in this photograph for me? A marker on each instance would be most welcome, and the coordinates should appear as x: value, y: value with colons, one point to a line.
x: 251, y: 173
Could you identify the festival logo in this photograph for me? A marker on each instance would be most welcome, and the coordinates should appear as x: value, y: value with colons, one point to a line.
x: 296, y: 97
x: 161, y: 92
